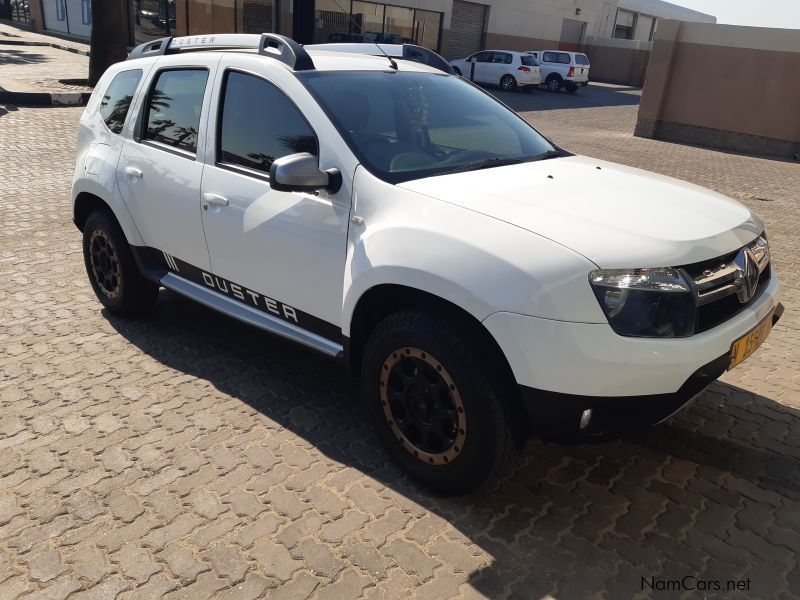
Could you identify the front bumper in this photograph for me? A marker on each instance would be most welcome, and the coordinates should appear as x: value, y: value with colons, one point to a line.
x: 553, y: 414
x: 564, y: 368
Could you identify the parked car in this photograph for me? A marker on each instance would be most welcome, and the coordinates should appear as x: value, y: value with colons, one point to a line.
x: 508, y: 69
x: 562, y: 69
x: 483, y: 283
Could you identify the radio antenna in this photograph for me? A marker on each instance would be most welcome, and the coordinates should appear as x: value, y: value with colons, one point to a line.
x: 392, y: 62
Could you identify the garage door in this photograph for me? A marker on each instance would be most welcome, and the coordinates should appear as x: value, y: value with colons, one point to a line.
x: 466, y: 28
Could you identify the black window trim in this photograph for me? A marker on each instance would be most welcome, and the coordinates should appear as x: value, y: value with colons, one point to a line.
x: 133, y: 98
x: 241, y: 170
x: 141, y: 124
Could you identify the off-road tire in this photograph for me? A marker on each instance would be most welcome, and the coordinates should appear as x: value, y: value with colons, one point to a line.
x: 489, y: 444
x: 105, y: 250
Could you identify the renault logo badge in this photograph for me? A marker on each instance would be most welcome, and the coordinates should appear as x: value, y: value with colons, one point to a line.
x: 746, y: 279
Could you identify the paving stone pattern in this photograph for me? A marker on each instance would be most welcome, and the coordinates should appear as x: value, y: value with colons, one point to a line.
x: 188, y: 456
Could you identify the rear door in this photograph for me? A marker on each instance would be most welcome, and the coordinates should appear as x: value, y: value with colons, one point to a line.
x: 159, y: 171
x: 581, y: 66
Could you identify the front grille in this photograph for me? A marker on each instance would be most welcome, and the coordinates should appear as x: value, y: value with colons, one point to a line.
x: 715, y: 289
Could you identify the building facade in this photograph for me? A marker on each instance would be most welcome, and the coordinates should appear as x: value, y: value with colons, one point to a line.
x: 454, y: 28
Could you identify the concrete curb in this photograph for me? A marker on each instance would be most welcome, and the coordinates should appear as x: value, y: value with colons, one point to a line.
x: 4, y: 41
x: 45, y: 98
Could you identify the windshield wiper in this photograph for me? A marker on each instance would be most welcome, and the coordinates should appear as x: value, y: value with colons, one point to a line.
x: 486, y: 163
x: 548, y: 154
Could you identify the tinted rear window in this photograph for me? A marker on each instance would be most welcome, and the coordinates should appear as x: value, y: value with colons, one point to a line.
x: 117, y: 99
x: 528, y: 61
x: 173, y: 115
x: 581, y: 59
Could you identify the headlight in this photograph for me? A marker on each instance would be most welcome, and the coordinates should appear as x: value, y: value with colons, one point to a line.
x: 645, y: 302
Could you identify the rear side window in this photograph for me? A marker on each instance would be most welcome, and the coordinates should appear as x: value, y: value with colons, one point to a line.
x: 556, y: 57
x: 259, y: 124
x: 528, y: 60
x: 173, y: 109
x: 502, y: 58
x: 581, y: 59
x: 117, y: 99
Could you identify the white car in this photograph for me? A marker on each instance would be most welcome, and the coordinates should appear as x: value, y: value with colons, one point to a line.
x: 562, y: 69
x: 483, y: 283
x: 505, y: 68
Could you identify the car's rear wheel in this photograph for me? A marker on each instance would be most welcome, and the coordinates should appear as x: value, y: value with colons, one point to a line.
x: 554, y: 83
x: 432, y: 404
x: 508, y: 83
x: 571, y: 88
x: 111, y: 268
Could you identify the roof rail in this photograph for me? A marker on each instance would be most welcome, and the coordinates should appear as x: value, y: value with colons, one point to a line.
x: 273, y: 45
x: 412, y: 52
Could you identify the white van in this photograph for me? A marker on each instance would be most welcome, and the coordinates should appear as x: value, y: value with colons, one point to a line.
x: 562, y: 69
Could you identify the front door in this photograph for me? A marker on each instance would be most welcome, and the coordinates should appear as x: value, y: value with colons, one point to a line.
x: 280, y: 252
x: 483, y: 64
x: 159, y: 173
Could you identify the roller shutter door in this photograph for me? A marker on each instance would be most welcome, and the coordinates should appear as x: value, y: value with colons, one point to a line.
x: 466, y: 28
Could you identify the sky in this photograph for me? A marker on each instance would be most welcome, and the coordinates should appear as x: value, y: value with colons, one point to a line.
x: 756, y: 13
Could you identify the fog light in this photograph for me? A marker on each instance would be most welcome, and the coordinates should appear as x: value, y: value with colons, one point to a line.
x: 586, y: 416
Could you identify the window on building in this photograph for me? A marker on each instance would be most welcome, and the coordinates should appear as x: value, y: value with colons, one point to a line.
x: 174, y: 106
x: 374, y: 22
x: 153, y: 19
x: 426, y: 28
x: 624, y: 25
x: 398, y: 25
x: 259, y: 124
x: 117, y: 99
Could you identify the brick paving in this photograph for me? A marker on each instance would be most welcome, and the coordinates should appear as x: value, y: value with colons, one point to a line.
x: 42, y: 68
x: 186, y: 455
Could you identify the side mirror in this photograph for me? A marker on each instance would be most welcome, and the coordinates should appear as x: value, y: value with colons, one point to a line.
x: 301, y: 173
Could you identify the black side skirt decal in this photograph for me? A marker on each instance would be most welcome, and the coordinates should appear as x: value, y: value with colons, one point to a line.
x: 155, y: 264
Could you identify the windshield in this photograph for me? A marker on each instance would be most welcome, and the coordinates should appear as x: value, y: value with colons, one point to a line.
x: 404, y: 125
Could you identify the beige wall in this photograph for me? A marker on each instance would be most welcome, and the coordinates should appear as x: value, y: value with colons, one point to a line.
x: 725, y: 86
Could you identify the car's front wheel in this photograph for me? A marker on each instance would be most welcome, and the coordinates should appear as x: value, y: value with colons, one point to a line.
x: 112, y: 270
x: 430, y: 398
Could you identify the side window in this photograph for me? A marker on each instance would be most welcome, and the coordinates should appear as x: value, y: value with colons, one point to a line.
x: 549, y: 57
x: 564, y: 58
x: 484, y: 57
x: 258, y: 124
x: 117, y: 99
x: 507, y: 58
x: 173, y: 108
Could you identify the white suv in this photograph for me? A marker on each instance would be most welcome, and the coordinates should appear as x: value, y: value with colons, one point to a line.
x: 483, y: 283
x: 561, y: 69
x: 505, y: 68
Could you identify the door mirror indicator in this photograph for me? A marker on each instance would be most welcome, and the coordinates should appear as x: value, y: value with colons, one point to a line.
x: 301, y: 173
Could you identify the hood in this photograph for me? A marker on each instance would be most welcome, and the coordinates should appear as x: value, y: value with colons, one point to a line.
x: 616, y: 216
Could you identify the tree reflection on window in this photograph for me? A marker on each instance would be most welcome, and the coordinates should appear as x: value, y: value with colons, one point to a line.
x: 173, y: 115
x: 260, y: 124
x: 117, y: 99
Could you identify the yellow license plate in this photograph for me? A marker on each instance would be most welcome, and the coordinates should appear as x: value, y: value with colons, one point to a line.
x: 749, y: 342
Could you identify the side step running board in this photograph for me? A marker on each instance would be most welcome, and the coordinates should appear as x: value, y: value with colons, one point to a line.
x: 251, y: 316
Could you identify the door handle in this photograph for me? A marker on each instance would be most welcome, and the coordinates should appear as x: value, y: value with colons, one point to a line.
x: 216, y: 199
x: 134, y: 172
